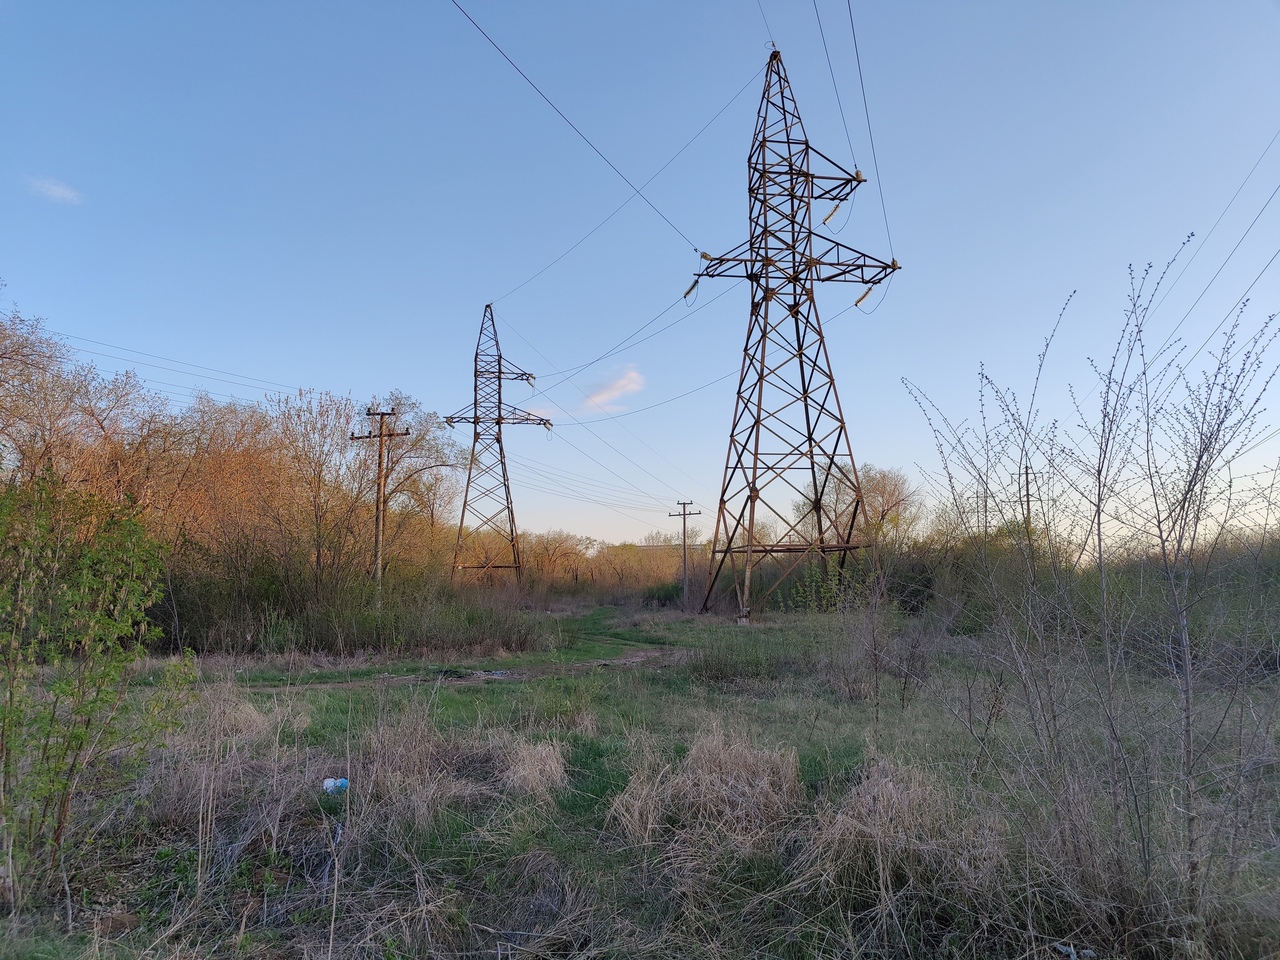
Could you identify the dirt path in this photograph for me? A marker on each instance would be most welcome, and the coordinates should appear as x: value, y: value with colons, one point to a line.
x: 452, y: 677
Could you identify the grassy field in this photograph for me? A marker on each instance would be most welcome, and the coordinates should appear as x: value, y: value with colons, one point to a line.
x: 651, y: 785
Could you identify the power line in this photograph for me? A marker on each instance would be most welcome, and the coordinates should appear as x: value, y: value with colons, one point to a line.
x: 835, y: 86
x: 571, y: 124
x: 767, y: 28
x: 585, y: 485
x: 624, y: 203
x: 627, y: 342
x: 1221, y: 267
x: 615, y: 450
x: 612, y: 351
x: 1262, y: 440
x: 641, y: 441
x: 875, y: 163
x: 607, y: 506
x: 1230, y: 202
x: 1234, y: 307
x: 587, y: 488
x: 158, y: 386
x: 186, y: 390
x: 569, y: 372
x: 598, y: 437
x: 1219, y: 271
x: 564, y: 494
x: 639, y: 466
x: 661, y: 403
x: 153, y: 356
x: 611, y: 446
x: 157, y: 366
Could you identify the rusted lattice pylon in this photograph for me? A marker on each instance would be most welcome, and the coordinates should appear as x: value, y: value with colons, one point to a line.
x: 789, y: 452
x: 487, y: 538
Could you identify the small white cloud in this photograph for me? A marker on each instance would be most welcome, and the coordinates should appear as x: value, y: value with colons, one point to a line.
x: 630, y: 382
x: 54, y: 190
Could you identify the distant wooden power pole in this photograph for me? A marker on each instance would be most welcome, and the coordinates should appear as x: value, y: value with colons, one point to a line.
x: 684, y: 516
x: 1025, y: 481
x: 380, y: 510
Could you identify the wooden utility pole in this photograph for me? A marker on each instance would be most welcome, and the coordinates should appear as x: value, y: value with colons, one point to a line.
x: 1026, y: 472
x: 380, y: 510
x: 1025, y: 482
x: 684, y: 516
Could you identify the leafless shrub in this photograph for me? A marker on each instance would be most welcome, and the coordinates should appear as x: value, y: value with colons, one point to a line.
x: 1083, y: 550
x: 879, y: 655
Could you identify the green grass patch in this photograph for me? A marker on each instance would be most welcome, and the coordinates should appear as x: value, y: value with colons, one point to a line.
x: 598, y: 771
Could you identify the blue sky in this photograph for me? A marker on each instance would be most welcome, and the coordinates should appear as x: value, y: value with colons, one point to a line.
x: 326, y: 195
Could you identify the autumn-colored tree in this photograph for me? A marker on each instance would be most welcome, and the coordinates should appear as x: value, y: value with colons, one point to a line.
x: 557, y: 557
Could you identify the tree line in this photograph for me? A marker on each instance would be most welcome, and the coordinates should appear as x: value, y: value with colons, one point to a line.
x: 264, y: 511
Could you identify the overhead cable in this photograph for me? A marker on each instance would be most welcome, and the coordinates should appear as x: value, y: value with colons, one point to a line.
x: 618, y: 208
x: 638, y: 439
x: 767, y: 28
x: 573, y: 126
x: 628, y: 341
x: 1230, y: 202
x: 835, y: 86
x: 157, y: 366
x: 1221, y: 267
x: 660, y: 403
x: 153, y: 356
x: 875, y: 163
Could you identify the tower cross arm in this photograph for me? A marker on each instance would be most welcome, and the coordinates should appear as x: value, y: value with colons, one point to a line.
x: 495, y: 366
x: 509, y: 371
x: 833, y: 260
x: 738, y: 262
x: 830, y: 180
x: 512, y: 414
x: 465, y: 415
x: 508, y: 414
x: 828, y: 260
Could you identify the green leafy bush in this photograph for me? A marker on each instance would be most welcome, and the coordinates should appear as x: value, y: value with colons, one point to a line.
x: 76, y: 578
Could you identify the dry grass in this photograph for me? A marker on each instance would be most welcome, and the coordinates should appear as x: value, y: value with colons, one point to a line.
x: 536, y: 769
x: 723, y: 791
x: 233, y: 805
x: 959, y: 832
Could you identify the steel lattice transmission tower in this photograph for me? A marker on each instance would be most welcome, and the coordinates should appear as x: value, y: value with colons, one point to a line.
x: 487, y: 538
x: 789, y: 456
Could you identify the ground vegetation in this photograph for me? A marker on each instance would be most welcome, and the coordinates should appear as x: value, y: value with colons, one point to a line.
x: 1034, y: 715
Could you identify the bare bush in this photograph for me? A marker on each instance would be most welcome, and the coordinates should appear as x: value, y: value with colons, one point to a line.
x: 1127, y: 769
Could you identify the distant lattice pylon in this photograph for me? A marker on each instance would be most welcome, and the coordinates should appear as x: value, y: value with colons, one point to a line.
x: 789, y: 474
x: 487, y: 537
